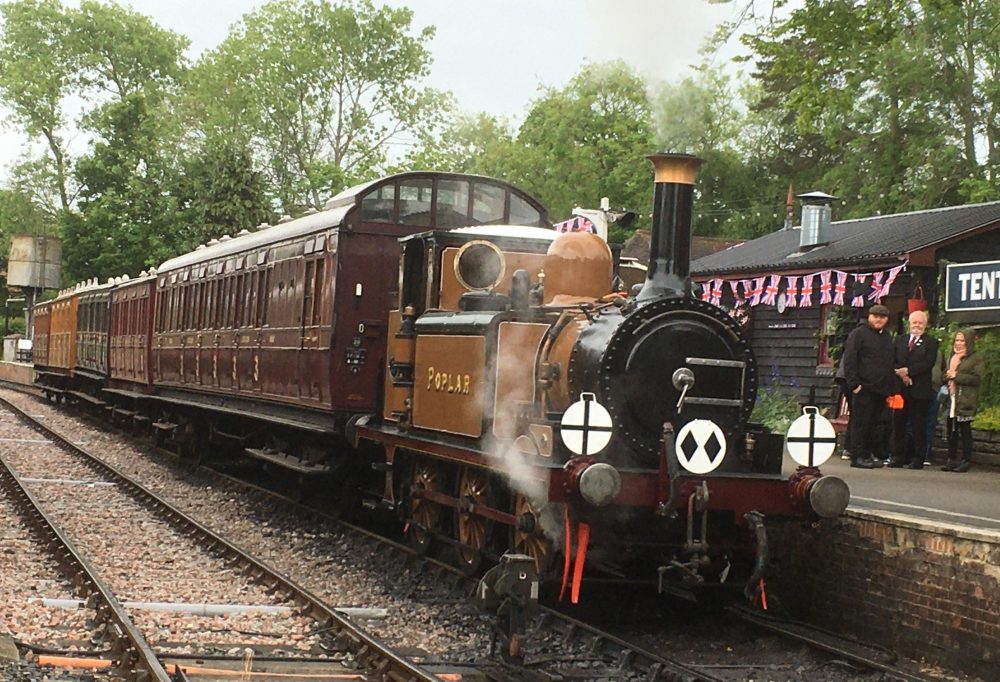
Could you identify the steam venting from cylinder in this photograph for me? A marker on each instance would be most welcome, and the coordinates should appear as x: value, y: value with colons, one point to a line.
x: 670, y: 236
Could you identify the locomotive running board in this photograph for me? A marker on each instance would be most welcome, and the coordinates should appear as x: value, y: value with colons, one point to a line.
x: 285, y: 461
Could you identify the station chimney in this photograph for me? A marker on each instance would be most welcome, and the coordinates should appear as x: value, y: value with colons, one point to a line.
x: 815, y: 219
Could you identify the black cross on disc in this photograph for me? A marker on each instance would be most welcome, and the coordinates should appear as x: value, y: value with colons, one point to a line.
x: 586, y: 426
x: 811, y: 439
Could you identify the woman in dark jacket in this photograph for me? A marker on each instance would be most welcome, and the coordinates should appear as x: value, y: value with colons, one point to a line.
x: 965, y: 370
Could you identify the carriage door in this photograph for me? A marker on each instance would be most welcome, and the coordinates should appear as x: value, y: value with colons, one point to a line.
x: 314, y: 360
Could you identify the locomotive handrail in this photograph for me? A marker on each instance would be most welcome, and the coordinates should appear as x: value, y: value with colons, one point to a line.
x: 716, y: 362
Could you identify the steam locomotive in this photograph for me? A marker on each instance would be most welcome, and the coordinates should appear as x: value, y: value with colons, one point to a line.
x: 505, y: 392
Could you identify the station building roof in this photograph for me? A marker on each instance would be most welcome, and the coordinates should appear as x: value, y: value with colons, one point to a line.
x: 857, y: 243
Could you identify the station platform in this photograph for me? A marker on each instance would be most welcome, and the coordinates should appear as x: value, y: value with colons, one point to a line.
x: 17, y: 372
x: 971, y: 499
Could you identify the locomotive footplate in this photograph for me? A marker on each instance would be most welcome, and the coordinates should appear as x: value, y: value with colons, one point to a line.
x: 299, y: 466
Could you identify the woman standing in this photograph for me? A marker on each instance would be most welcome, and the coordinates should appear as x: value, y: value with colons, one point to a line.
x: 965, y: 369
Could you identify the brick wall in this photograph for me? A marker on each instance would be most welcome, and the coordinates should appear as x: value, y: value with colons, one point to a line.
x: 928, y: 591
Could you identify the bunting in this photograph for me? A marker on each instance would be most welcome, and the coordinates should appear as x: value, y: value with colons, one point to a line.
x: 734, y: 287
x: 716, y: 292
x: 832, y: 286
x: 771, y: 292
x: 577, y: 224
x: 893, y: 274
x: 825, y: 287
x: 791, y: 291
x: 840, y: 288
x: 805, y: 295
x: 859, y: 299
x: 876, y: 293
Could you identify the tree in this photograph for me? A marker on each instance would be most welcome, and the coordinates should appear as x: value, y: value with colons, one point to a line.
x: 853, y: 85
x: 220, y: 192
x: 320, y: 90
x: 36, y: 77
x: 588, y: 141
x: 466, y: 143
x: 128, y: 215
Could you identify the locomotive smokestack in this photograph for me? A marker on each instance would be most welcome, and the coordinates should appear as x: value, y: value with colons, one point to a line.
x: 670, y: 236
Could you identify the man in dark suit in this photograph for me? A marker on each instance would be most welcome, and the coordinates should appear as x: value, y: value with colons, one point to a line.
x: 868, y: 370
x: 914, y: 357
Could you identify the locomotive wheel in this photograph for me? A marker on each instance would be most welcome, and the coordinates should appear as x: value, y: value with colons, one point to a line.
x: 472, y: 531
x: 532, y: 542
x: 424, y: 514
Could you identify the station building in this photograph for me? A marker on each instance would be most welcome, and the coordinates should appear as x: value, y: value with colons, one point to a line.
x: 799, y: 291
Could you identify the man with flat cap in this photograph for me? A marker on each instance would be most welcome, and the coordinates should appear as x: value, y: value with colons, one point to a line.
x: 869, y: 370
x: 915, y: 356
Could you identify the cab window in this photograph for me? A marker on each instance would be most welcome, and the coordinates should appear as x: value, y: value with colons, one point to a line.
x: 415, y: 202
x: 377, y: 205
x: 523, y: 213
x: 487, y: 203
x: 452, y: 208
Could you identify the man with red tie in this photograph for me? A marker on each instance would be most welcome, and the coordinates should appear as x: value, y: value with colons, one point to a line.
x: 914, y: 356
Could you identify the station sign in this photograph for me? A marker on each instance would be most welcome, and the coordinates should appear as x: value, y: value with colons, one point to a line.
x: 972, y: 286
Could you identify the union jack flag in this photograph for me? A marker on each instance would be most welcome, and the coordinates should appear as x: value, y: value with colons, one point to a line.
x: 840, y: 289
x: 716, y: 292
x: 859, y: 301
x: 577, y: 224
x: 805, y: 297
x: 893, y: 274
x: 772, y: 290
x: 734, y: 286
x: 791, y: 291
x: 706, y: 290
x: 825, y: 287
x: 876, y: 293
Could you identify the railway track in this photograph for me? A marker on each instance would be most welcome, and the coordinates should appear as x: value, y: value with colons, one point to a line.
x: 567, y: 648
x: 131, y: 653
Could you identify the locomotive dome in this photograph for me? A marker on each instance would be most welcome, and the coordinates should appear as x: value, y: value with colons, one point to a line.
x: 577, y: 265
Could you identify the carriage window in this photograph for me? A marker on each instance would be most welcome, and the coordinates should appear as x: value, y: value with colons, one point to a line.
x: 523, y: 213
x: 318, y: 289
x: 262, y: 295
x: 415, y: 202
x: 452, y: 204
x: 487, y: 203
x: 307, y: 297
x: 376, y: 206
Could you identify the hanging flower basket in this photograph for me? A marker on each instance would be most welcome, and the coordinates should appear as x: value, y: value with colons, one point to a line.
x: 917, y: 301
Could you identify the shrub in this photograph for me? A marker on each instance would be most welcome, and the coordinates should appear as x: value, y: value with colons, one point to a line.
x: 775, y: 410
x: 988, y: 419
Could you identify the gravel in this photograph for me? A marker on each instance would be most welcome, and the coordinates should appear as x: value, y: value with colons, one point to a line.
x: 144, y: 559
x: 425, y: 617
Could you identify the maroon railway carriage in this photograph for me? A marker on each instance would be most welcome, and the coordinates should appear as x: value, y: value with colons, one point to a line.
x: 287, y: 325
x: 41, y: 322
x: 92, y: 320
x: 130, y: 332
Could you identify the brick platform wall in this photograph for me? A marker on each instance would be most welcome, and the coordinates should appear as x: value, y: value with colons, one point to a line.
x: 927, y: 591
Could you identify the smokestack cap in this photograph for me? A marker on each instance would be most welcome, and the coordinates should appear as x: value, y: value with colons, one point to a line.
x: 674, y: 168
x: 817, y: 197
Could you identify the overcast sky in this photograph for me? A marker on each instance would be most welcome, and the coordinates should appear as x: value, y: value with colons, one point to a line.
x: 494, y: 54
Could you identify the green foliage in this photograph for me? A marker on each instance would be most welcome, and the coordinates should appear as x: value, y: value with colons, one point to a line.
x: 988, y: 343
x: 839, y: 324
x: 220, y: 192
x: 775, y: 410
x: 126, y: 220
x: 987, y: 419
x: 320, y: 90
